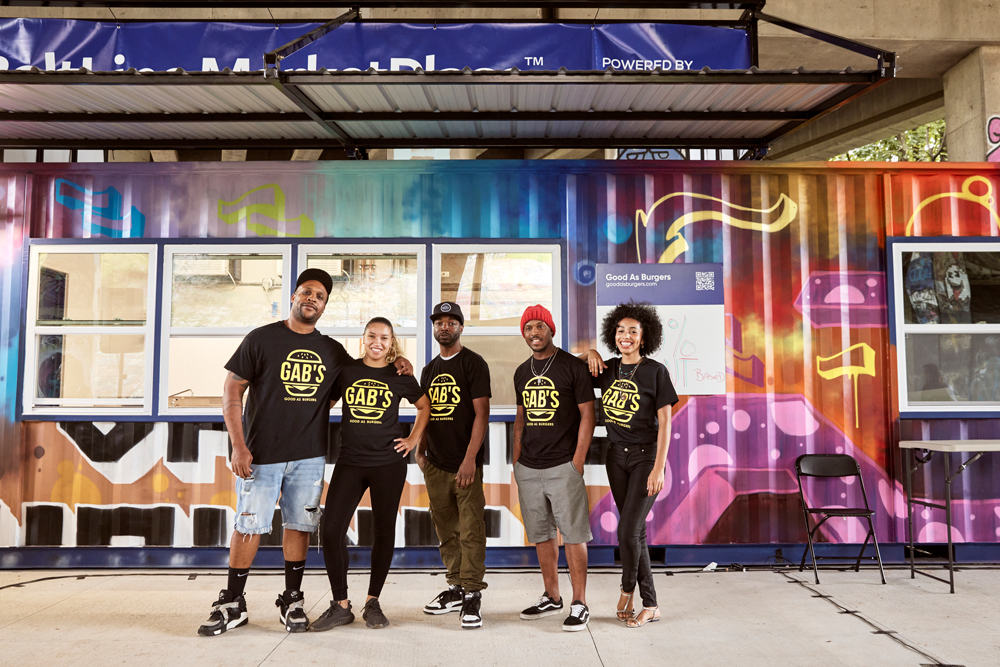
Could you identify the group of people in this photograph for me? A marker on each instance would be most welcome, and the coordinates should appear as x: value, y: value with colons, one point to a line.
x: 294, y: 375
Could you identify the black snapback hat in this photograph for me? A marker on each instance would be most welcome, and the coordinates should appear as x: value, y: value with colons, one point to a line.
x: 448, y: 308
x: 319, y: 275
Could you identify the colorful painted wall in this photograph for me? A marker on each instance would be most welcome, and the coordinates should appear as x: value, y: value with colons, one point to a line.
x: 810, y: 363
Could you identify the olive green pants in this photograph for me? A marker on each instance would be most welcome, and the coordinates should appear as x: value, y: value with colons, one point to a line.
x: 458, y: 518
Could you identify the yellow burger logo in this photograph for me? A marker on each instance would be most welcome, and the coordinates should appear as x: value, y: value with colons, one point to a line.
x: 621, y: 401
x: 368, y: 399
x: 302, y: 373
x: 541, y: 399
x: 444, y: 395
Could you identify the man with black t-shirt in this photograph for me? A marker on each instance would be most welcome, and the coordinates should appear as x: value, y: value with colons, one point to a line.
x: 552, y: 434
x: 279, y: 445
x: 451, y: 457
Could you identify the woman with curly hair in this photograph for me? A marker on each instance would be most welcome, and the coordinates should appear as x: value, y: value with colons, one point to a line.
x: 636, y: 397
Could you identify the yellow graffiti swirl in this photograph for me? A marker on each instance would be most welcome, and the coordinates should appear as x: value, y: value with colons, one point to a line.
x: 984, y: 200
x: 275, y: 211
x: 679, y: 245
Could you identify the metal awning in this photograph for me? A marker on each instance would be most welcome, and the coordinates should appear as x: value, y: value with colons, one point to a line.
x: 376, y: 109
x: 67, y: 109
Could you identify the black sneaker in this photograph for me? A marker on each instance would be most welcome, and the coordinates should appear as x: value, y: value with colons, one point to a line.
x: 333, y: 617
x: 449, y: 600
x: 290, y: 611
x: 578, y: 617
x: 372, y: 613
x: 228, y: 612
x: 471, y: 615
x: 545, y: 606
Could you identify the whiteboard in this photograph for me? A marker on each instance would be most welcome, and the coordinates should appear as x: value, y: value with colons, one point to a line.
x: 694, y: 347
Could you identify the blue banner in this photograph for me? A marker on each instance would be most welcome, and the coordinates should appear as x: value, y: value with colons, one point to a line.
x: 660, y: 284
x: 52, y: 44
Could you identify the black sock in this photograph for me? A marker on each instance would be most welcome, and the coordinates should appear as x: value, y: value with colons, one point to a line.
x: 237, y: 580
x: 294, y: 569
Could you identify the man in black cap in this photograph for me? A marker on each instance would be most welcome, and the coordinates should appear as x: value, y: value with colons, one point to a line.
x: 451, y: 457
x: 279, y: 445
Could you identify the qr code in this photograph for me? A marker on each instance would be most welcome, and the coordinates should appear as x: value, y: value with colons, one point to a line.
x: 704, y: 280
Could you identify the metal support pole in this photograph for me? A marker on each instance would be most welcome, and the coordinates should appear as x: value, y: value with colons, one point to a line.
x: 911, y: 458
x: 947, y: 520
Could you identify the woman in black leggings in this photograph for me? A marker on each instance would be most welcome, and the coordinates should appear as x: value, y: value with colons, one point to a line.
x: 372, y: 457
x: 636, y: 397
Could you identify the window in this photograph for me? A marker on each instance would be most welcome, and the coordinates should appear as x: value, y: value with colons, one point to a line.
x: 373, y: 281
x: 89, y: 340
x: 493, y: 288
x: 947, y: 325
x: 212, y: 297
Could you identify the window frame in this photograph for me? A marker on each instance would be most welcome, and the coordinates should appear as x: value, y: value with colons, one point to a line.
x: 87, y: 407
x: 554, y: 249
x: 898, y: 329
x: 375, y: 248
x: 166, y: 330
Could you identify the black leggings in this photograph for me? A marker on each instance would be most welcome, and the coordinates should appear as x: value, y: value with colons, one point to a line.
x: 629, y: 466
x: 347, y: 486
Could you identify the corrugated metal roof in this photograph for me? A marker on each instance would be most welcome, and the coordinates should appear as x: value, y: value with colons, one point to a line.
x: 54, y: 107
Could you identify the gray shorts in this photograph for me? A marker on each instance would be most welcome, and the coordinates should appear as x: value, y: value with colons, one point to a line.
x: 553, y: 498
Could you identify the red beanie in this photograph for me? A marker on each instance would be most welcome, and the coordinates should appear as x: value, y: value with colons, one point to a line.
x: 537, y: 312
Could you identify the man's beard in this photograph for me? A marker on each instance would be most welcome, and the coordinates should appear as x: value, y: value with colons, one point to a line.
x: 302, y: 317
x: 451, y: 338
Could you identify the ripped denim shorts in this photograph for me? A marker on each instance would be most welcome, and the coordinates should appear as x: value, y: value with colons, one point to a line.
x: 299, y: 484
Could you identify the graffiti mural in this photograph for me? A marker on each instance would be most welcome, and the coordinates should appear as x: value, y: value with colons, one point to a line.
x: 809, y: 357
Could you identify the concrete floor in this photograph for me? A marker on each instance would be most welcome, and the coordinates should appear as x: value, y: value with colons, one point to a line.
x: 741, y: 619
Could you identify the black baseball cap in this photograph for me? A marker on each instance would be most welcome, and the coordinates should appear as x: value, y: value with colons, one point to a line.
x: 319, y: 275
x: 448, y: 308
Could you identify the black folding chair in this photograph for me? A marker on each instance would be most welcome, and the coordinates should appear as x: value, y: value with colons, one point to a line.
x: 834, y: 466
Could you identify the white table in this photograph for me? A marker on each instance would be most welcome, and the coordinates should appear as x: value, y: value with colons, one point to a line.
x: 913, y: 463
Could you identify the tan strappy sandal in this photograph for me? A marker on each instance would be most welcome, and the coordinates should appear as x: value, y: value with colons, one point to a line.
x: 640, y: 620
x: 625, y: 609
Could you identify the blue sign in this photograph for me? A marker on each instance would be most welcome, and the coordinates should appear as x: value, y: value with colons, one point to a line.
x: 55, y: 44
x: 660, y: 284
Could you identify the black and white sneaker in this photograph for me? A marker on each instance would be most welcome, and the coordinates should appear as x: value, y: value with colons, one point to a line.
x: 290, y: 611
x: 333, y: 617
x: 578, y: 617
x: 545, y: 606
x: 446, y: 601
x: 472, y: 617
x: 228, y: 612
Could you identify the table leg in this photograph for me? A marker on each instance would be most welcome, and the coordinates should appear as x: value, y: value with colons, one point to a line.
x: 947, y: 520
x: 910, y: 462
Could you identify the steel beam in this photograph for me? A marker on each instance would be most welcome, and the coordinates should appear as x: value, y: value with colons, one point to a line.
x: 419, y: 142
x: 400, y: 116
x: 393, y: 4
x: 421, y: 78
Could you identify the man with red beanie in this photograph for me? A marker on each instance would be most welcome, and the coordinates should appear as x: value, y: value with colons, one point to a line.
x: 552, y: 434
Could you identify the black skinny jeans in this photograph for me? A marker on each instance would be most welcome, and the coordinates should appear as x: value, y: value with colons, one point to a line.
x: 347, y: 486
x: 629, y: 466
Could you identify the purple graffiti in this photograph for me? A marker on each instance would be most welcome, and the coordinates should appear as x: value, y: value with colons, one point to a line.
x: 993, y: 135
x: 856, y: 299
x: 729, y: 452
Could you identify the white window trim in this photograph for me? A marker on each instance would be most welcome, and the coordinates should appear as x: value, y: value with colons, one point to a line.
x: 418, y: 249
x: 902, y: 329
x: 32, y: 406
x: 554, y: 249
x: 166, y: 331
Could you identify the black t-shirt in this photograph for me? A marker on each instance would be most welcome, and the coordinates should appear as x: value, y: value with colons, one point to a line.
x: 551, y: 412
x: 630, y: 397
x: 452, y: 384
x: 291, y: 377
x: 370, y: 422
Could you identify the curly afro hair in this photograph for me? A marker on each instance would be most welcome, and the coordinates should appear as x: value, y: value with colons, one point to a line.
x: 645, y: 315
